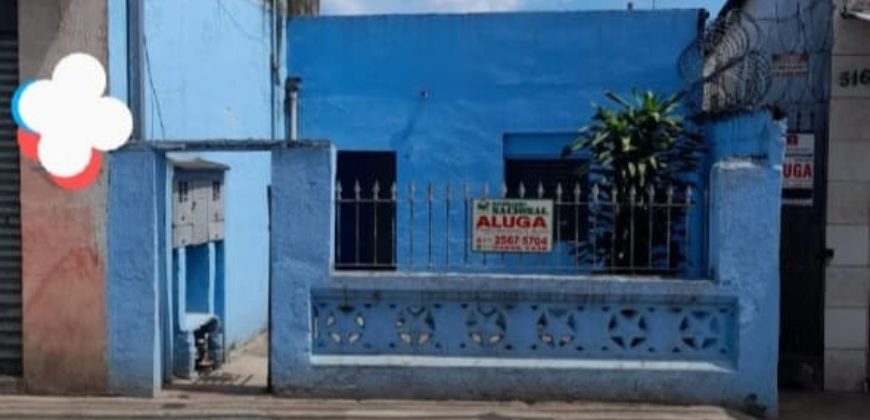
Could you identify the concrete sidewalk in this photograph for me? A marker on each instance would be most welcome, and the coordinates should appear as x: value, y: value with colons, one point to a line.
x: 237, y: 391
x: 175, y: 404
x: 213, y: 405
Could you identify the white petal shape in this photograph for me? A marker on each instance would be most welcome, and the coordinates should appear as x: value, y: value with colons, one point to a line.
x: 114, y: 126
x: 37, y: 105
x: 63, y: 156
x: 73, y: 117
x: 80, y: 74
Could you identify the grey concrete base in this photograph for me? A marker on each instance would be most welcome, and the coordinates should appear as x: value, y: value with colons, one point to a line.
x: 828, y: 405
x: 10, y: 385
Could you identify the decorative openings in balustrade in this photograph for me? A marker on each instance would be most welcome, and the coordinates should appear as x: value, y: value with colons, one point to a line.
x: 582, y: 327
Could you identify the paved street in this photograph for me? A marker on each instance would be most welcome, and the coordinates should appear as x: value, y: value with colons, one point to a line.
x: 251, y: 403
x: 211, y: 406
x: 237, y: 391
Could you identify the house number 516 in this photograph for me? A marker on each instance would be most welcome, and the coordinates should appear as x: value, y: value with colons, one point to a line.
x: 855, y: 78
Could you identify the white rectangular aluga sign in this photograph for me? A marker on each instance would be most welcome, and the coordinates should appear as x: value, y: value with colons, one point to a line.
x: 512, y: 225
x: 798, y: 168
x: 797, y: 173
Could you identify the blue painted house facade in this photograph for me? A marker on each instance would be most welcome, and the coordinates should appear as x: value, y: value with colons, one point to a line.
x: 463, y: 100
x: 430, y: 101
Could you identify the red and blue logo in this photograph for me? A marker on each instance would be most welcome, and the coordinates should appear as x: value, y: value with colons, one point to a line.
x: 65, y: 123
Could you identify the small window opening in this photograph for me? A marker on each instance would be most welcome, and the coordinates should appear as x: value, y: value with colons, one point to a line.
x: 182, y: 191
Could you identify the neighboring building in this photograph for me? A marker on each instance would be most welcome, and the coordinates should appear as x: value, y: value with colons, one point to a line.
x: 788, y: 44
x: 10, y: 238
x: 64, y: 250
x: 847, y: 278
x: 205, y: 72
x: 818, y: 58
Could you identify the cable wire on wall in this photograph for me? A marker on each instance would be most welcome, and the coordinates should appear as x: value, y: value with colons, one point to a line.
x: 156, y: 102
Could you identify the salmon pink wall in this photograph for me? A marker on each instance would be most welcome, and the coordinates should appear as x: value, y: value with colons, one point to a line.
x: 63, y: 233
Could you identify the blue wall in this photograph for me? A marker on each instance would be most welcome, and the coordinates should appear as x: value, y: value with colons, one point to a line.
x: 210, y: 79
x: 443, y: 91
x: 448, y: 94
x: 132, y: 288
x: 485, y: 76
x: 711, y: 341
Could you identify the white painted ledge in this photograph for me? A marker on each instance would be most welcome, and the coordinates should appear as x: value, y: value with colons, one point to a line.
x: 517, y: 363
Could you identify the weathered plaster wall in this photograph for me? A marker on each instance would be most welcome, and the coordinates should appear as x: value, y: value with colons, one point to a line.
x: 134, y: 345
x: 208, y: 77
x: 746, y: 263
x: 443, y: 91
x: 751, y: 135
x: 63, y: 233
x: 340, y: 335
x: 211, y: 79
x: 847, y: 283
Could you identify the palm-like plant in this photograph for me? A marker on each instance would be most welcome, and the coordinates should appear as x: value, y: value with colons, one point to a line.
x: 638, y: 146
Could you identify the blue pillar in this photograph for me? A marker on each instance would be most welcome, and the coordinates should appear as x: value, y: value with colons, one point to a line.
x: 745, y: 224
x: 301, y: 251
x: 132, y: 303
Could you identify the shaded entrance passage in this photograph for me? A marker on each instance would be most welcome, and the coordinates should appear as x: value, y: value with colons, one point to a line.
x: 147, y: 282
x: 245, y: 372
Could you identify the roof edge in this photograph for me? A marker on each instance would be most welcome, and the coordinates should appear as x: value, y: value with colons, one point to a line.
x: 731, y: 5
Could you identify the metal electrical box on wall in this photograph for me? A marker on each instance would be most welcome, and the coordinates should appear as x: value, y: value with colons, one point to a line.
x: 197, y: 202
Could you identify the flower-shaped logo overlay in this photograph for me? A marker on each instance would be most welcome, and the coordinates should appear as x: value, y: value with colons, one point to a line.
x: 65, y: 122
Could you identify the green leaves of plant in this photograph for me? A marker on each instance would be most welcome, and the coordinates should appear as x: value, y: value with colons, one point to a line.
x: 639, y: 141
x: 616, y: 98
